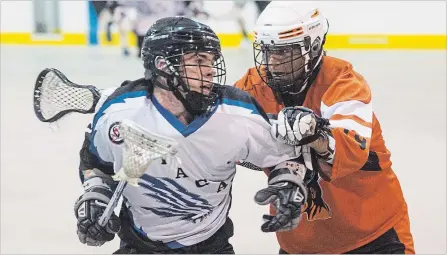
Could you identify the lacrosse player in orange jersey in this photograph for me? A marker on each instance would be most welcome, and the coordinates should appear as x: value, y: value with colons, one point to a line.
x: 322, y: 102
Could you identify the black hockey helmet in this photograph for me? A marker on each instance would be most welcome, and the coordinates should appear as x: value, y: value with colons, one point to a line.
x: 166, y: 41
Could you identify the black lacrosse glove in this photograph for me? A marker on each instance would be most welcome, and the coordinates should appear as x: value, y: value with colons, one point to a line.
x: 287, y: 192
x: 89, y: 208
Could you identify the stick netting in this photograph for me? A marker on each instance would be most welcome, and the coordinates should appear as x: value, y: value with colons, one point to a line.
x: 56, y: 96
x: 142, y: 147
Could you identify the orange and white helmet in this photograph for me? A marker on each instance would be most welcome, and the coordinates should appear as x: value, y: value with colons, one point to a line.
x: 288, y: 46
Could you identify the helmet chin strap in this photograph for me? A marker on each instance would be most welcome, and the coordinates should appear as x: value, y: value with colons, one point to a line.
x: 189, y: 102
x: 303, y: 88
x: 193, y: 101
x: 294, y: 98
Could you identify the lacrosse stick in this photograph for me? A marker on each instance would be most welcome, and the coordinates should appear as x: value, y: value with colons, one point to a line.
x: 141, y: 147
x: 56, y: 96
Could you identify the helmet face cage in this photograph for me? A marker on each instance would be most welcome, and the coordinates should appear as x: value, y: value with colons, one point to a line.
x: 177, y: 62
x: 169, y: 40
x: 174, y: 70
x: 181, y: 81
x: 287, y: 74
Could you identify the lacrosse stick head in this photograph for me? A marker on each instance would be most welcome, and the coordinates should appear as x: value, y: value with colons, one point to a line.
x: 55, y: 96
x: 141, y: 147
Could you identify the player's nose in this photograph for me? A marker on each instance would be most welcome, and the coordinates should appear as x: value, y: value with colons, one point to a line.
x: 208, y: 73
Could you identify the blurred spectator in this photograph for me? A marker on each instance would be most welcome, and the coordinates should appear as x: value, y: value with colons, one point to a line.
x: 138, y: 16
x: 239, y: 6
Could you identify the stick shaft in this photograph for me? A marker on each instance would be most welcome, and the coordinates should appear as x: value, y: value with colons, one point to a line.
x: 112, y: 204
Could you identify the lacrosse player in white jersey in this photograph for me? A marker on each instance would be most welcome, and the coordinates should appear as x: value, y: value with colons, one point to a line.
x: 216, y: 126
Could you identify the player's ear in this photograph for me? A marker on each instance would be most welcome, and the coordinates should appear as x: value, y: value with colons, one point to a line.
x: 161, y: 64
x: 164, y: 65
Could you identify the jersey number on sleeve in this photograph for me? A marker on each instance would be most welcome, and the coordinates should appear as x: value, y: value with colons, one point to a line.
x: 360, y: 140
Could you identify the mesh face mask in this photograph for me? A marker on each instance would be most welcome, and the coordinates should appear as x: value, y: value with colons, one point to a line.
x: 170, y: 39
x: 283, y: 67
x: 180, y: 75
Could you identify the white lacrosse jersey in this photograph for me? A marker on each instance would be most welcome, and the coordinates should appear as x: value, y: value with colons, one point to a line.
x: 184, y: 206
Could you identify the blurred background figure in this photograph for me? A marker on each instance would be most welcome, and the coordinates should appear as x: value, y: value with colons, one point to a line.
x: 120, y: 15
x: 136, y: 16
x: 242, y: 12
x: 241, y: 19
x: 195, y: 9
x: 124, y: 16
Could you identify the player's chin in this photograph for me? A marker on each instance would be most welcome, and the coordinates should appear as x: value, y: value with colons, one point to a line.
x: 288, y: 79
x: 206, y: 88
x: 205, y: 91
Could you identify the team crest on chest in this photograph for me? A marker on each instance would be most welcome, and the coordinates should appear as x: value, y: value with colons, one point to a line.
x: 114, y: 133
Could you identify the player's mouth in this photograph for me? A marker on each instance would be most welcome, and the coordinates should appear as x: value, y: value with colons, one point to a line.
x: 205, y: 89
x: 278, y: 75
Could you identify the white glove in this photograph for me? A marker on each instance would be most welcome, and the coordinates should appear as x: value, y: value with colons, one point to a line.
x: 297, y: 125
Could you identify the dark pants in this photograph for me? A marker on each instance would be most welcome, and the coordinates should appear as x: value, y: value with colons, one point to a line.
x: 387, y: 243
x: 134, y: 243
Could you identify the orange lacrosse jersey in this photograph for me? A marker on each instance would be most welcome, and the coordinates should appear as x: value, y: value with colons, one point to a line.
x: 363, y: 200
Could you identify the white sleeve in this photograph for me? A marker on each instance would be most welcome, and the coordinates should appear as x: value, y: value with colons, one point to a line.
x: 263, y: 149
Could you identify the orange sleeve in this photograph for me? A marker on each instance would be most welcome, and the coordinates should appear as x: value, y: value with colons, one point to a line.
x: 347, y: 105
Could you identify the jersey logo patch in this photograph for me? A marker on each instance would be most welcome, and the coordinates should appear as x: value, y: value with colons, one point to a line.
x: 315, y: 207
x: 114, y: 133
